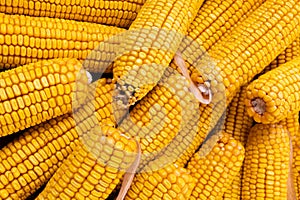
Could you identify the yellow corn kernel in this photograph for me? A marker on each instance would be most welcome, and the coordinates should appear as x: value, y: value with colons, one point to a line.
x: 27, y: 39
x: 39, y: 151
x: 275, y: 94
x: 217, y: 168
x: 115, y: 13
x: 93, y: 169
x: 169, y: 182
x: 150, y: 45
x: 27, y: 89
x: 266, y: 166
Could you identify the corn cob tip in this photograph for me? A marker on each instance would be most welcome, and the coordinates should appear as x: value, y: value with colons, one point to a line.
x: 259, y: 105
x: 202, y: 92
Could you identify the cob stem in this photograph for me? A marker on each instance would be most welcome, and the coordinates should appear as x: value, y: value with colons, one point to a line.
x: 259, y: 105
x: 201, y: 91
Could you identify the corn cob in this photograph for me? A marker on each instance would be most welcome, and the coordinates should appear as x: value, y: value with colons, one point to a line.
x: 238, y: 125
x: 210, y: 24
x: 30, y: 160
x: 266, y: 166
x: 290, y: 53
x: 116, y: 13
x: 169, y: 182
x: 217, y: 169
x: 92, y: 171
x: 162, y: 114
x: 249, y: 48
x: 188, y: 140
x: 216, y: 19
x: 270, y: 100
x: 213, y: 23
x: 234, y: 114
x: 183, y: 145
x: 37, y: 92
x: 292, y: 124
x: 26, y: 39
x: 150, y: 44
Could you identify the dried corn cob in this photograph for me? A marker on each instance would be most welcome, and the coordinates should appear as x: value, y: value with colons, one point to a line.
x: 39, y: 91
x: 94, y: 170
x: 213, y: 23
x: 291, y: 122
x: 162, y: 114
x: 30, y: 160
x: 266, y: 166
x: 183, y: 144
x: 215, y: 19
x: 217, y: 169
x: 169, y: 182
x: 26, y: 39
x: 116, y: 13
x: 238, y: 125
x: 188, y: 140
x: 149, y: 46
x: 250, y: 47
x: 274, y: 95
x: 290, y: 53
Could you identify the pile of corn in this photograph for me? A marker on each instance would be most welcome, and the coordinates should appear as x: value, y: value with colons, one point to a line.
x: 149, y: 99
